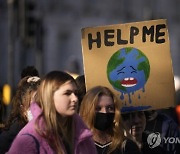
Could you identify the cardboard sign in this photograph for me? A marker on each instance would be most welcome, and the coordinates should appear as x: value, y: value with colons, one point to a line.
x: 133, y: 60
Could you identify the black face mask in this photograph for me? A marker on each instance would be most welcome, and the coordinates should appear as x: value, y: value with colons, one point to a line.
x: 103, y: 121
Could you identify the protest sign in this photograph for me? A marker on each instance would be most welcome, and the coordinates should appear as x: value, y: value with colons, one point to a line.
x: 133, y: 60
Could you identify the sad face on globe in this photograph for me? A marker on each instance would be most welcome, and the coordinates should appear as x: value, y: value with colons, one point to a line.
x: 128, y: 70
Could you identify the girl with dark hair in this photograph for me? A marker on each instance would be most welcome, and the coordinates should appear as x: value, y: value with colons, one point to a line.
x: 20, y: 113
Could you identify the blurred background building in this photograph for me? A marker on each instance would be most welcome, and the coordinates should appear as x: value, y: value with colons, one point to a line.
x: 47, y: 33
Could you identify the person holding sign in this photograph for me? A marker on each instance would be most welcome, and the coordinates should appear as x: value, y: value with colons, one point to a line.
x: 150, y: 142
x: 135, y: 123
x: 55, y: 127
x: 100, y: 111
x: 80, y: 81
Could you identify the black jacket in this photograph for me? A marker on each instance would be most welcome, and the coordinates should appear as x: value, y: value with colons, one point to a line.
x: 7, y: 136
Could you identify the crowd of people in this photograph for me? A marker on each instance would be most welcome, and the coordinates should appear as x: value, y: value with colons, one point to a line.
x: 56, y: 115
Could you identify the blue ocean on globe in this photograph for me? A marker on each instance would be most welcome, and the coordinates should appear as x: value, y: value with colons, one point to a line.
x: 128, y: 70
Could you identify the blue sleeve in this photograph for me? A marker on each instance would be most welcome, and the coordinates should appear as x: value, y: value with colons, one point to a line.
x: 170, y: 129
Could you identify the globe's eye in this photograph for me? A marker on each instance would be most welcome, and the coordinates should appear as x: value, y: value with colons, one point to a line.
x: 134, y: 70
x: 121, y: 70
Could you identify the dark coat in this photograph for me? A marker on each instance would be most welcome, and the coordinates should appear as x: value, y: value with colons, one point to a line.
x: 7, y: 136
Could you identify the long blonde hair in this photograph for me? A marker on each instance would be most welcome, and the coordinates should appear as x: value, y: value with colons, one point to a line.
x: 88, y: 110
x: 55, y: 129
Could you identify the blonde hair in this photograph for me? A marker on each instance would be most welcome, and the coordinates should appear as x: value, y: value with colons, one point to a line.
x: 55, y: 128
x: 88, y: 110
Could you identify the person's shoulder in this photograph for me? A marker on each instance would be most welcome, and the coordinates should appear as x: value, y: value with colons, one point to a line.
x: 29, y: 128
x: 23, y: 143
x: 16, y: 126
x: 130, y: 147
x: 79, y: 122
x: 129, y: 142
x: 168, y: 121
x: 81, y: 130
x: 165, y: 117
x: 13, y: 129
x: 7, y: 135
